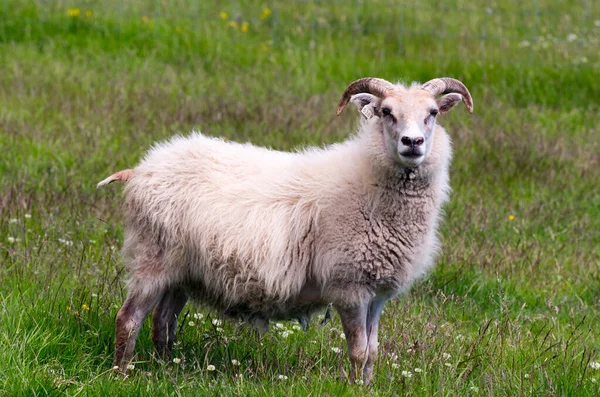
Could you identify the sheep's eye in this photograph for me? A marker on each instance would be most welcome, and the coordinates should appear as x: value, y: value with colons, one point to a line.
x: 433, y: 112
x: 386, y: 111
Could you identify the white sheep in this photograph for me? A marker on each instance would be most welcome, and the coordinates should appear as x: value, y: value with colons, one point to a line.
x: 261, y: 234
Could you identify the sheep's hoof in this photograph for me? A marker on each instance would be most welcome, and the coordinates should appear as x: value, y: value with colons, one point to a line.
x: 327, y: 316
x: 303, y: 323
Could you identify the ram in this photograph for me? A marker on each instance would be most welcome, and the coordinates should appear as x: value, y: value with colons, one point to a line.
x: 260, y: 234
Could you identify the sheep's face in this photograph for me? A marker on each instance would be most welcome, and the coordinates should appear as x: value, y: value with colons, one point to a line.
x: 408, y: 119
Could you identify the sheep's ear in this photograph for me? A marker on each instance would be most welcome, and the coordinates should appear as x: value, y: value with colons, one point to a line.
x: 367, y: 104
x: 448, y: 101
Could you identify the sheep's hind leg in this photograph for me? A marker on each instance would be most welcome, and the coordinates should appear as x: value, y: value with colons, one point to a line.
x: 164, y: 320
x: 354, y: 320
x: 129, y: 321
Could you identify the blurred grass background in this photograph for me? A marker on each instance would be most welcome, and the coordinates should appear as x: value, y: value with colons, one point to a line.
x: 86, y: 87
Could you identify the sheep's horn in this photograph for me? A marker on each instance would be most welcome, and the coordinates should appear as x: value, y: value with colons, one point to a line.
x: 445, y: 85
x: 371, y: 85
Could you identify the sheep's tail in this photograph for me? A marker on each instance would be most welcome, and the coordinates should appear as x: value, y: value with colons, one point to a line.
x: 121, y: 176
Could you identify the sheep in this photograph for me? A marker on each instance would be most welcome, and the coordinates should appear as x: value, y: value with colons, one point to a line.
x: 260, y: 234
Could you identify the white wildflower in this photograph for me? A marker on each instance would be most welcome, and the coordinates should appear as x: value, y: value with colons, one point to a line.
x: 198, y: 316
x: 595, y: 365
x: 282, y: 377
x: 526, y: 376
x: 192, y: 324
x: 418, y: 370
x: 524, y: 43
x: 393, y: 356
x: 474, y: 389
x: 219, y: 329
x: 13, y: 220
x: 460, y: 337
x: 297, y: 327
x: 235, y: 362
x: 593, y: 380
x: 285, y: 334
x: 447, y: 364
x: 359, y: 382
x: 279, y: 325
x: 343, y: 335
x: 68, y: 243
x: 11, y: 239
x: 131, y: 367
x: 210, y: 367
x: 446, y: 356
x: 28, y: 216
x: 597, y: 22
x: 571, y: 37
x: 216, y: 322
x: 176, y: 360
x: 407, y: 374
x: 116, y: 368
x: 395, y: 365
x: 336, y: 350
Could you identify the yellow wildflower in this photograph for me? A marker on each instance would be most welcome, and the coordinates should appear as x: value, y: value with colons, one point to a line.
x: 85, y: 307
x: 74, y: 12
x: 511, y: 217
x: 233, y: 24
x: 245, y: 26
x: 266, y: 12
x: 88, y: 13
x: 68, y: 308
x: 224, y: 15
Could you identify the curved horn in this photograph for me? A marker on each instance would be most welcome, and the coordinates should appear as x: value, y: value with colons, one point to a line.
x: 445, y: 85
x: 370, y: 85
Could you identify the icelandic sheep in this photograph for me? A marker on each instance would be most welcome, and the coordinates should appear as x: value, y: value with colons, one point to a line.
x: 261, y: 234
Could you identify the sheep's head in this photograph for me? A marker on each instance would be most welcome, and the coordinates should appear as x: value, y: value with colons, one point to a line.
x: 408, y: 115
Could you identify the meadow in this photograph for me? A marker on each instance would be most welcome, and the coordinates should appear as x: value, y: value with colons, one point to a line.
x: 513, y: 305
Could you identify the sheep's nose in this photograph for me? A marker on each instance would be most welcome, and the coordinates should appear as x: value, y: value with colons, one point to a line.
x: 412, y: 142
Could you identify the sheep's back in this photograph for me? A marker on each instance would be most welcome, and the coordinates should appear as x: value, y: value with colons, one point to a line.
x: 222, y: 207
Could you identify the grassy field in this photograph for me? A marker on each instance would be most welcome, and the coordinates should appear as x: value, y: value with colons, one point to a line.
x: 513, y: 306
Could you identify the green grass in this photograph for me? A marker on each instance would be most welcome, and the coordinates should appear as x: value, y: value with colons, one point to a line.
x: 515, y: 303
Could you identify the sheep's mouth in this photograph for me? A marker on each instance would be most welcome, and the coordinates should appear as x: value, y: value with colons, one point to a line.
x: 411, y: 154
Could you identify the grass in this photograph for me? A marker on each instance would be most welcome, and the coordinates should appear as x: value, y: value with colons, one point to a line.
x: 513, y: 306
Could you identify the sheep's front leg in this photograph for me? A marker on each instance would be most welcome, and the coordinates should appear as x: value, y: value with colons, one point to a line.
x: 164, y: 320
x: 354, y: 320
x: 129, y: 321
x: 375, y: 309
